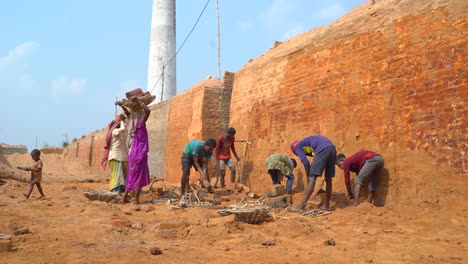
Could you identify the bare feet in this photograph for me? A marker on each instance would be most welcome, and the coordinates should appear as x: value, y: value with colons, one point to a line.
x: 25, y: 195
x: 124, y: 201
x: 40, y: 197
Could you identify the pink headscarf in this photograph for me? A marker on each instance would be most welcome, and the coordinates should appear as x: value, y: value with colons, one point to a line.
x: 293, y: 147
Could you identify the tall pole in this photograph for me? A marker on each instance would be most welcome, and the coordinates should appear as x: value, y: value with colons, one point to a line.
x: 161, y: 70
x: 219, y: 40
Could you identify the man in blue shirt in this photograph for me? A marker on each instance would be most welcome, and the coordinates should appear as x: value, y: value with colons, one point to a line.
x: 196, y: 153
x: 324, y: 152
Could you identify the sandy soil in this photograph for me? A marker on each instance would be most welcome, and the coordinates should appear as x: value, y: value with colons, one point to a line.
x: 68, y: 228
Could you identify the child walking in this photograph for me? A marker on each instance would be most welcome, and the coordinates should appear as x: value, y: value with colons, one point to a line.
x: 36, y: 173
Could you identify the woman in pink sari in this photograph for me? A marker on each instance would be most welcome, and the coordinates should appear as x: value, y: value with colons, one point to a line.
x: 138, y: 171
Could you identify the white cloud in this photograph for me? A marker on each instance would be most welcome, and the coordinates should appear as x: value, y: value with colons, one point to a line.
x: 20, y: 51
x: 68, y: 85
x: 296, y: 29
x: 14, y: 68
x: 331, y: 12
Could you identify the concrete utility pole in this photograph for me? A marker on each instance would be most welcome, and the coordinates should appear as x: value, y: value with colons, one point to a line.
x: 161, y: 70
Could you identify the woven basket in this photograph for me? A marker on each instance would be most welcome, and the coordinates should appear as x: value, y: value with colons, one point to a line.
x: 253, y: 215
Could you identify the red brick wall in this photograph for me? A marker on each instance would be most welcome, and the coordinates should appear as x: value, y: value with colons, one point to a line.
x: 200, y: 112
x: 83, y: 148
x: 398, y: 88
x: 193, y: 114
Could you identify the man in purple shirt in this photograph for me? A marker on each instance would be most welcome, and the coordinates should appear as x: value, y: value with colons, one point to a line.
x: 324, y: 152
x: 365, y: 164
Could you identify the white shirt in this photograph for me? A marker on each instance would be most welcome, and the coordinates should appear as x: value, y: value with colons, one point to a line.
x: 118, y: 148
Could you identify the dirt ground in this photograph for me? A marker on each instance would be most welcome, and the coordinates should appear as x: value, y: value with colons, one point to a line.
x: 66, y: 227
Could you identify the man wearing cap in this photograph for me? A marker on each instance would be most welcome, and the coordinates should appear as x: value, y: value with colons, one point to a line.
x: 324, y: 152
x: 224, y: 145
x: 366, y: 164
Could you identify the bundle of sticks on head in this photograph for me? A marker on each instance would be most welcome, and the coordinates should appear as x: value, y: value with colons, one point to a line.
x: 130, y: 103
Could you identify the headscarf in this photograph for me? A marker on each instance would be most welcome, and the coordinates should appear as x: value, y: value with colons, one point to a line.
x: 293, y: 147
x: 110, y: 128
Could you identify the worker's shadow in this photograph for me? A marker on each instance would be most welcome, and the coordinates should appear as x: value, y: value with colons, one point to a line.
x: 382, y: 187
x: 245, y: 173
x: 300, y: 186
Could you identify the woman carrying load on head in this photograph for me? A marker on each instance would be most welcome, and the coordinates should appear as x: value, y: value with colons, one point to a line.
x: 138, y: 171
x: 115, y: 155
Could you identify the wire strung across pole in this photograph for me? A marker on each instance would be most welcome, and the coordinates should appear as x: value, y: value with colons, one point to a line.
x: 181, y: 46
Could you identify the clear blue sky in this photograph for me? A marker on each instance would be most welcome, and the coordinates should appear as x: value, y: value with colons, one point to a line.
x: 63, y: 62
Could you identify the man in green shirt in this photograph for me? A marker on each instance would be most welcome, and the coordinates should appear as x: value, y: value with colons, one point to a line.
x: 196, y: 153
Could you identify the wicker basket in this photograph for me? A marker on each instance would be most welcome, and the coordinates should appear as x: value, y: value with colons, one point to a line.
x: 248, y: 215
x: 253, y: 215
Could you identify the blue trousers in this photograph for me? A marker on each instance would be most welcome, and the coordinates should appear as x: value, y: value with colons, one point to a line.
x: 275, y: 174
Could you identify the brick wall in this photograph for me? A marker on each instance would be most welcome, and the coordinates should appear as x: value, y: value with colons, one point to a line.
x: 51, y: 150
x: 89, y: 149
x: 194, y: 114
x: 156, y: 125
x: 11, y: 149
x: 200, y: 112
x: 396, y: 86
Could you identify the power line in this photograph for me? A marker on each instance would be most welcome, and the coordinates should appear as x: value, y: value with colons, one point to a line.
x: 181, y: 46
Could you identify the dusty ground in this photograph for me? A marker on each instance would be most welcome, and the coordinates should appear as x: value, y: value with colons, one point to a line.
x: 68, y: 228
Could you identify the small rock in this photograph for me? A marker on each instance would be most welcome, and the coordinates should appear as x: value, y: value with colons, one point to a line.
x: 276, y: 190
x: 104, y: 196
x: 128, y: 212
x: 279, y: 202
x: 155, y: 251
x: 22, y: 231
x: 68, y: 188
x: 5, y: 237
x: 253, y: 195
x: 148, y: 208
x: 138, y: 226
x: 121, y: 222
x: 136, y: 208
x: 268, y: 242
x: 329, y: 242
